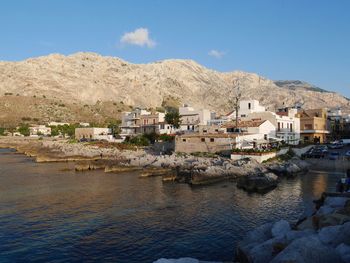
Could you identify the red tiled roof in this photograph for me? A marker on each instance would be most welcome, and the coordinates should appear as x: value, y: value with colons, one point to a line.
x: 242, y: 124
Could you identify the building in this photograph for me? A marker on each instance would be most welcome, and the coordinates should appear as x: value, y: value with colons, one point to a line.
x: 286, y: 122
x: 338, y: 124
x: 93, y: 134
x: 40, y: 130
x: 246, y: 107
x: 191, y: 118
x: 213, y: 139
x: 142, y: 121
x: 55, y: 123
x: 212, y: 143
x: 313, y: 126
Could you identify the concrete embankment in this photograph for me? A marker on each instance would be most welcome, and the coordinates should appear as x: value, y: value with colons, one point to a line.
x: 323, y: 237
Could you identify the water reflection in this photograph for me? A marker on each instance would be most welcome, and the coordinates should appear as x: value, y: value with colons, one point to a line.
x: 47, y: 214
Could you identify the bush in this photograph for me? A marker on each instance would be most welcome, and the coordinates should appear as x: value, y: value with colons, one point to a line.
x: 24, y: 129
x: 2, y: 131
x: 138, y: 141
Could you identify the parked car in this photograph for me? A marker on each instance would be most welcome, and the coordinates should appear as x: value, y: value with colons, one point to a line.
x: 345, y: 141
x: 334, y: 156
x: 308, y: 153
x: 338, y: 145
x: 317, y: 153
x: 322, y: 148
x: 347, y: 154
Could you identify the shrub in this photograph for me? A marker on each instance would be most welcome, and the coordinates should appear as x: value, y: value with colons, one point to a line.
x: 2, y: 131
x: 24, y: 129
x: 139, y: 141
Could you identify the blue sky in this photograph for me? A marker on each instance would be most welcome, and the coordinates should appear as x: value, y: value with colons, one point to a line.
x: 297, y: 39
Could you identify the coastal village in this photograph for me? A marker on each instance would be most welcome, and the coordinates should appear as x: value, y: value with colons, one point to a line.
x: 250, y: 130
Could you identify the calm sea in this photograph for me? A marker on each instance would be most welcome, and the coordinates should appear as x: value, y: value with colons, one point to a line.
x: 49, y: 213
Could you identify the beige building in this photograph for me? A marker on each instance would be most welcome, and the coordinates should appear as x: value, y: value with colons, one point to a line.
x: 212, y: 143
x: 313, y: 125
x: 93, y: 134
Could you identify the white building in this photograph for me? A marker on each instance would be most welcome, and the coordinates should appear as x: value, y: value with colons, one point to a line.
x: 55, y: 123
x: 40, y: 130
x: 191, y: 118
x: 254, y: 132
x: 287, y: 124
x: 94, y: 134
x: 246, y: 107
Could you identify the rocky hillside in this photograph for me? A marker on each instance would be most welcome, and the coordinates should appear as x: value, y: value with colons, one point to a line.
x: 88, y: 78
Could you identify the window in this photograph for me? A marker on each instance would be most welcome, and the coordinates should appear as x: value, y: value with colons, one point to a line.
x: 265, y: 136
x: 202, y: 139
x: 282, y: 125
x: 291, y: 127
x: 184, y: 140
x: 204, y: 131
x: 243, y: 115
x: 249, y: 105
x: 188, y: 127
x: 211, y: 139
x: 279, y: 126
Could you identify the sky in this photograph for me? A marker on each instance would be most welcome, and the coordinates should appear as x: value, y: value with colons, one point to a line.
x: 305, y: 40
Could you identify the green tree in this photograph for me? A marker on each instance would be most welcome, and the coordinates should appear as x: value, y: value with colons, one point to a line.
x: 173, y: 118
x: 24, y: 129
x: 114, y: 126
x: 2, y: 131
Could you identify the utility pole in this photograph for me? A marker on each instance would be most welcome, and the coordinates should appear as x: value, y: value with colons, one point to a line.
x: 237, y: 97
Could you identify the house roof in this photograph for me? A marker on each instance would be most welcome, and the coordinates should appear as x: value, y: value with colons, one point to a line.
x: 230, y: 113
x: 244, y: 124
x: 210, y: 135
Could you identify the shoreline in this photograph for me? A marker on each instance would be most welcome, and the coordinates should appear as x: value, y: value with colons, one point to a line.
x: 252, y: 176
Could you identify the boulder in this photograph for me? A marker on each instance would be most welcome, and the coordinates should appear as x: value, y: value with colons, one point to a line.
x: 332, y: 220
x: 344, y: 252
x: 335, y: 202
x: 280, y: 228
x: 253, y: 238
x: 335, y: 235
x: 260, y: 183
x: 307, y: 250
x: 264, y: 253
x: 325, y: 210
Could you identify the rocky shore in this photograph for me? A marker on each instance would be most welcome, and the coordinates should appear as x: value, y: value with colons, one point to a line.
x: 252, y: 176
x: 323, y: 237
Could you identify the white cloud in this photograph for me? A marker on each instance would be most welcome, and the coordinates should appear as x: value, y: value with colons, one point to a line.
x: 139, y: 37
x: 216, y: 54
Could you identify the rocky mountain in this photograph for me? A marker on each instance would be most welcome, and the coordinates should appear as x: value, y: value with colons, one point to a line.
x: 88, y: 78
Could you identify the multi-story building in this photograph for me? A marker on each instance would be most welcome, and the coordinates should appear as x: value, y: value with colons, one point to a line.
x: 286, y: 121
x: 338, y: 124
x: 142, y: 121
x: 213, y: 139
x: 313, y: 125
x: 191, y: 118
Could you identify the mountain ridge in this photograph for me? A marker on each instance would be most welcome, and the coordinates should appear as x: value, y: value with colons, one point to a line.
x: 88, y: 77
